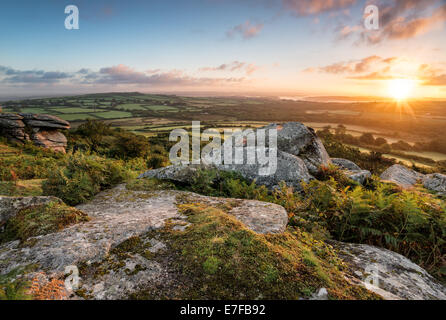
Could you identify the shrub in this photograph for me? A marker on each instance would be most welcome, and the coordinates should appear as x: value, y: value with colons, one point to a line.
x: 129, y: 145
x: 406, y: 222
x: 156, y: 161
x: 226, y: 184
x: 83, y: 177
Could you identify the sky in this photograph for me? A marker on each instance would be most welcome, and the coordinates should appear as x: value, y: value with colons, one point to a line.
x: 240, y: 47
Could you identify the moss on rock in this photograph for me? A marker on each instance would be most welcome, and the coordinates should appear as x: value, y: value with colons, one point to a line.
x: 219, y: 258
x: 39, y: 220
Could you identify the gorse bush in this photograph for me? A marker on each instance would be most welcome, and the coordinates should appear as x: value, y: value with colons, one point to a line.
x: 84, y: 176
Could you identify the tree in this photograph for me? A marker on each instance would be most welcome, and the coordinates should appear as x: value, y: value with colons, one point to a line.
x: 367, y: 138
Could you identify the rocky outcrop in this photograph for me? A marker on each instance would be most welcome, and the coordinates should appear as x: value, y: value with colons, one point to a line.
x: 299, y: 140
x: 401, y: 175
x: 390, y: 274
x: 120, y: 215
x: 41, y: 129
x: 123, y: 218
x: 9, y: 206
x: 435, y: 182
x: 12, y: 127
x: 299, y: 153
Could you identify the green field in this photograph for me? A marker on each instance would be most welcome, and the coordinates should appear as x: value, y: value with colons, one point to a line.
x: 73, y: 110
x: 162, y: 108
x: 32, y: 110
x: 78, y: 116
x: 131, y: 106
x: 113, y: 114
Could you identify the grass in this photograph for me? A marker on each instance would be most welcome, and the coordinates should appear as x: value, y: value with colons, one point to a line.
x: 22, y: 188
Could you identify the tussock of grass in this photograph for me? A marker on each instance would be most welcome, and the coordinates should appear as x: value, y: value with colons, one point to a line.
x: 149, y: 185
x: 40, y: 220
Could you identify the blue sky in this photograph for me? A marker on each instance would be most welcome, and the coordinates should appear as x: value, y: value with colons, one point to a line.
x: 240, y: 46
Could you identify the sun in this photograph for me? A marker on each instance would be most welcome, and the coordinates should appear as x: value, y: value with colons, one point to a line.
x: 401, y: 89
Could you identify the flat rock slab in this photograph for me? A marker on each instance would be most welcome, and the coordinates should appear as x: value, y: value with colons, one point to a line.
x: 260, y: 217
x: 390, y: 274
x: 118, y: 215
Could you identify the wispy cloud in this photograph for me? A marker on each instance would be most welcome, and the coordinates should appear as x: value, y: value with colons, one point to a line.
x: 234, y: 66
x: 354, y: 66
x: 314, y: 7
x: 432, y: 76
x: 31, y: 76
x: 246, y: 30
x: 377, y: 68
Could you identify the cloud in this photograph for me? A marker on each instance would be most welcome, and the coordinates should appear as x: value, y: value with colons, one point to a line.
x: 246, y: 30
x: 399, y: 20
x: 112, y: 76
x: 32, y: 76
x: 355, y: 66
x: 248, y: 68
x: 431, y: 76
x: 314, y: 7
x: 377, y: 68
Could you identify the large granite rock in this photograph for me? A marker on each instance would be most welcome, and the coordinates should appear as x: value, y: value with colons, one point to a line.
x: 44, y: 121
x: 352, y: 170
x: 345, y: 164
x: 119, y: 215
x: 435, y: 182
x: 44, y: 129
x: 297, y: 139
x: 402, y: 176
x: 359, y: 176
x: 50, y: 139
x: 390, y: 274
x: 12, y: 127
x: 290, y: 169
x: 299, y: 153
